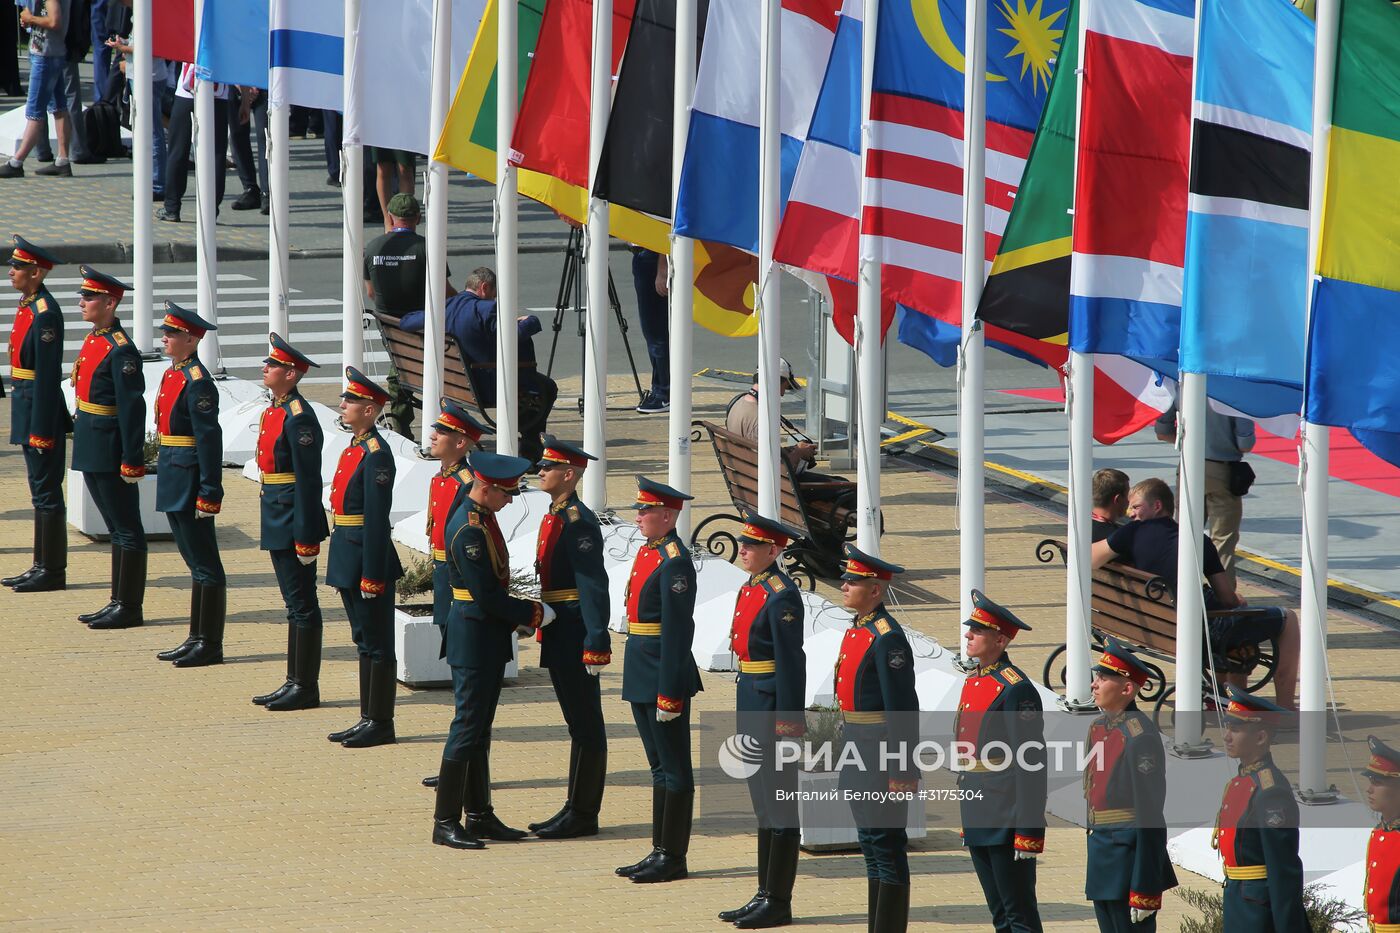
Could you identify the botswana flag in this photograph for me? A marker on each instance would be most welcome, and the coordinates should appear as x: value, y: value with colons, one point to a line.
x: 635, y: 169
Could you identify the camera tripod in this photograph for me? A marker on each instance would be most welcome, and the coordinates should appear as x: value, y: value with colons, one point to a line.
x: 570, y: 298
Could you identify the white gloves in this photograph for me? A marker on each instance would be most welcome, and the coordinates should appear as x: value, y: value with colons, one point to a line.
x: 1140, y: 915
x: 307, y: 559
x: 595, y: 669
x: 200, y: 513
x: 548, y: 614
x: 663, y: 716
x: 369, y: 595
x: 130, y: 479
x: 1023, y: 856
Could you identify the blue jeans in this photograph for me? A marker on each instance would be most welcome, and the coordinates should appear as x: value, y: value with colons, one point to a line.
x: 654, y: 315
x: 101, y: 54
x: 157, y: 139
x: 46, y: 86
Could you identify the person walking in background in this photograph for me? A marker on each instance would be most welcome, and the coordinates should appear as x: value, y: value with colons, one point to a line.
x: 181, y: 140
x: 248, y: 121
x: 649, y: 279
x: 48, y: 59
x: 392, y: 167
x: 9, y: 56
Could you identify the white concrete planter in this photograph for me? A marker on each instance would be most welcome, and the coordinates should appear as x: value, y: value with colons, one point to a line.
x: 822, y: 833
x: 417, y: 642
x: 83, y: 514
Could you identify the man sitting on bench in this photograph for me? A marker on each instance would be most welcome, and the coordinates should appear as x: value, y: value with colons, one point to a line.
x: 1149, y: 543
x: 471, y: 321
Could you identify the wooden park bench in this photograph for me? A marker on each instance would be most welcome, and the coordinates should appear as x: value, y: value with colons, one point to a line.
x: 824, y: 525
x: 405, y: 350
x: 1138, y: 609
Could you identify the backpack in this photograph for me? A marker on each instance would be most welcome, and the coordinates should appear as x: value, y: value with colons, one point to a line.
x: 101, y: 130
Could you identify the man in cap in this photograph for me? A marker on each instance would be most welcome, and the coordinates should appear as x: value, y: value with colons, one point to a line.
x: 396, y: 278
x: 659, y: 676
x: 290, y: 441
x: 39, y: 420
x: 1382, y: 894
x: 766, y: 638
x: 577, y: 646
x: 363, y: 564
x: 874, y: 682
x: 455, y: 433
x: 1003, y: 805
x: 1125, y: 790
x: 109, y: 436
x: 189, y: 481
x: 1256, y: 830
x: 480, y: 632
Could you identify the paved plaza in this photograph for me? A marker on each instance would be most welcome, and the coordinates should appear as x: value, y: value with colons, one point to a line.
x: 139, y: 796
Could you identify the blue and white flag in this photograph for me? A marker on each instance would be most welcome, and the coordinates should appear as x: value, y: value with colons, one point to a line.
x: 1243, y: 310
x: 308, y: 52
x: 232, y: 46
x: 719, y: 180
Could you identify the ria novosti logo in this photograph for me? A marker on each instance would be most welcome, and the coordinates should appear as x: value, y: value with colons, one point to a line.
x: 740, y: 756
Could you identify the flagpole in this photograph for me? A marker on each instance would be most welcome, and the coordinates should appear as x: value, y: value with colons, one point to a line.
x: 1080, y: 405
x: 142, y: 161
x: 971, y: 494
x: 352, y: 189
x: 278, y: 219
x: 595, y: 363
x: 435, y: 193
x: 769, y: 278
x: 1313, y: 786
x: 870, y: 358
x: 206, y: 253
x: 682, y: 263
x: 507, y: 260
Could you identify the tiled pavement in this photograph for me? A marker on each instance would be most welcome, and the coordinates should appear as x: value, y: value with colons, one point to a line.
x: 138, y: 796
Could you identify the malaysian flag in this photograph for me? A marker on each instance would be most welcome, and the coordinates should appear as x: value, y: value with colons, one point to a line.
x: 913, y: 203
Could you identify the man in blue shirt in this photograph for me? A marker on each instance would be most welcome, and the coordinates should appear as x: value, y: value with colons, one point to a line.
x: 471, y: 321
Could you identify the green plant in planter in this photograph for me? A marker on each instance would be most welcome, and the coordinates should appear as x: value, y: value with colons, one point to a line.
x: 417, y: 578
x: 823, y: 726
x: 1325, y: 915
x: 150, y: 451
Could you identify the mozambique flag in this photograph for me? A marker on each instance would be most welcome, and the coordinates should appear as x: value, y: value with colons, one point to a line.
x: 1027, y: 292
x: 1353, y: 377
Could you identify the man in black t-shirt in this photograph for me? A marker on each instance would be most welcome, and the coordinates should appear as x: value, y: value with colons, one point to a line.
x: 396, y: 278
x: 1149, y: 543
x: 1110, y: 501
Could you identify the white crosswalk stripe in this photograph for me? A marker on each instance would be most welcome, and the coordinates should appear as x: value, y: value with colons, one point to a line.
x: 314, y: 320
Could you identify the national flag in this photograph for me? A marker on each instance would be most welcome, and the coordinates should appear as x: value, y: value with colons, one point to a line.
x: 308, y: 54
x: 233, y: 43
x: 1130, y: 207
x: 172, y: 29
x: 1353, y: 377
x: 635, y: 169
x: 1243, y: 312
x: 719, y: 179
x: 391, y: 81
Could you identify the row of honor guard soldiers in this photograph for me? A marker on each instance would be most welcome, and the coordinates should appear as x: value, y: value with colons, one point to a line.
x: 1125, y: 790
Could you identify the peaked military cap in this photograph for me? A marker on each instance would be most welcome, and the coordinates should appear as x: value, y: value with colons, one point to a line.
x: 500, y: 470
x: 100, y: 283
x: 651, y: 493
x: 562, y: 452
x: 861, y: 566
x: 989, y: 615
x: 360, y: 387
x: 284, y: 354
x: 760, y: 530
x: 182, y: 319
x: 1385, y: 761
x: 27, y: 254
x: 1118, y: 660
x: 1246, y: 709
x: 454, y: 417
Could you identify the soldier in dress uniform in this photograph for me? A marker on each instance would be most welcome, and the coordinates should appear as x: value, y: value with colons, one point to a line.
x: 290, y: 441
x: 577, y: 646
x: 1124, y: 793
x: 1382, y: 891
x: 455, y: 433
x: 766, y: 638
x: 1003, y: 808
x: 1256, y: 830
x: 189, y: 482
x: 659, y: 676
x: 485, y: 618
x: 874, y: 682
x: 363, y: 564
x: 39, y: 419
x: 109, y: 436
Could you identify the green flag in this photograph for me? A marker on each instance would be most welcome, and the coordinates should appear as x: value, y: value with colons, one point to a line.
x: 1028, y: 290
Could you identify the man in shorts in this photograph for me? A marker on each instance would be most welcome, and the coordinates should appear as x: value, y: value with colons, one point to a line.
x: 48, y: 60
x: 387, y: 162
